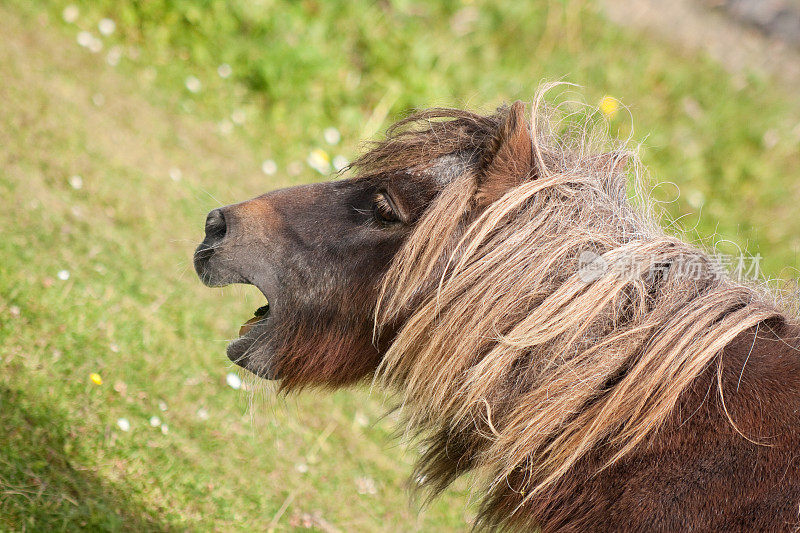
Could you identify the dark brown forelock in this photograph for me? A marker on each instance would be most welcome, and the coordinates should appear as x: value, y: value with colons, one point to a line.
x: 423, y: 137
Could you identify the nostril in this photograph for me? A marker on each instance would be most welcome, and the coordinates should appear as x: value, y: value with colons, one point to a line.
x: 215, y: 225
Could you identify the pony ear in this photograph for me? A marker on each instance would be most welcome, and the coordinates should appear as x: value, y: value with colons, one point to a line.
x: 508, y: 160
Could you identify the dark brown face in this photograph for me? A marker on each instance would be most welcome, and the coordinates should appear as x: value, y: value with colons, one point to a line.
x: 318, y: 253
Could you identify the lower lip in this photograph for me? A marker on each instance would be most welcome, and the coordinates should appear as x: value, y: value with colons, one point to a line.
x: 241, y: 352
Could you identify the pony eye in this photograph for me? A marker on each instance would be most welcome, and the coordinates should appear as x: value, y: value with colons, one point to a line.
x: 383, y: 210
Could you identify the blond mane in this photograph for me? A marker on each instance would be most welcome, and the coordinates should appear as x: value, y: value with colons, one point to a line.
x: 506, y: 354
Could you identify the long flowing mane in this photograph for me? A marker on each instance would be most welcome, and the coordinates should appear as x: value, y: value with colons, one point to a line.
x: 508, y: 355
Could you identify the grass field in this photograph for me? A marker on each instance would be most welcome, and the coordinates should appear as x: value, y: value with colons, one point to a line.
x: 110, y: 159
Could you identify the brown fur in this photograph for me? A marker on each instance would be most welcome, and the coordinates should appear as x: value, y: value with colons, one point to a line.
x: 641, y: 399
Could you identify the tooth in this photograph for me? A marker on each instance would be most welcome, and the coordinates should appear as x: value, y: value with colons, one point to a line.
x: 247, y: 326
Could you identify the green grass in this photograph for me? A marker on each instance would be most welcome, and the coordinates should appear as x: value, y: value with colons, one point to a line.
x: 132, y: 309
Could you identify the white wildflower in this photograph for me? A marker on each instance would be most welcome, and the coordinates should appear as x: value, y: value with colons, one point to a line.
x: 85, y: 38
x: 225, y: 126
x: 106, y: 26
x: 238, y: 117
x: 332, y: 135
x: 193, y: 84
x: 234, y: 381
x: 366, y: 485
x: 269, y: 167
x: 95, y: 45
x: 123, y: 424
x: 319, y: 160
x: 224, y: 70
x: 70, y: 14
x: 361, y: 419
x: 696, y: 198
x: 771, y: 139
x: 113, y: 56
x: 339, y: 162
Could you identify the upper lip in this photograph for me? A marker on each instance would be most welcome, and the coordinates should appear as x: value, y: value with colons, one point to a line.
x: 202, y: 255
x: 260, y: 289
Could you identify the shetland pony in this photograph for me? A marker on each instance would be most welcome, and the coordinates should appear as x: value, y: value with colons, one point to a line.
x: 536, y: 324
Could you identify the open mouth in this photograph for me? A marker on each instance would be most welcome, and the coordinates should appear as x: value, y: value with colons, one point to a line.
x: 260, y: 314
x: 241, y: 350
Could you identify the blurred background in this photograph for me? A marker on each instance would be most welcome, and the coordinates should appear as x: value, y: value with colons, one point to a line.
x: 122, y: 123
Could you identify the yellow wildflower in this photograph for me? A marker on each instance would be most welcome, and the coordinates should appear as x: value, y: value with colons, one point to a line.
x: 96, y: 379
x: 609, y: 106
x: 319, y: 160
